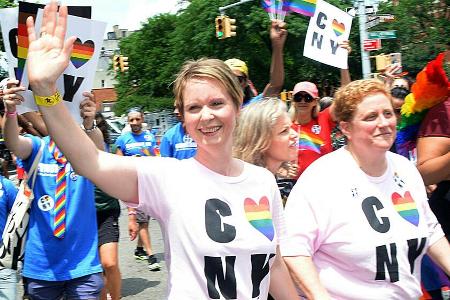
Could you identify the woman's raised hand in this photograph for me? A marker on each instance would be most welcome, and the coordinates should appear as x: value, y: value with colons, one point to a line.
x: 48, y: 54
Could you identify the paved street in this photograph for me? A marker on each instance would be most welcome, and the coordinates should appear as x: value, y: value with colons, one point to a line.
x: 138, y: 283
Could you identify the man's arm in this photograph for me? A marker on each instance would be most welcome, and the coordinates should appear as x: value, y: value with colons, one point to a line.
x: 87, y: 113
x: 433, y: 159
x: 278, y: 37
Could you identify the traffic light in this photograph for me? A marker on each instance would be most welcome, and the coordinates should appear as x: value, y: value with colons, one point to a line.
x: 230, y: 28
x: 116, y: 62
x: 123, y: 63
x: 220, y: 29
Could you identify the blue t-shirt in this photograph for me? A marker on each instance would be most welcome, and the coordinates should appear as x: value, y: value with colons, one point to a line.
x: 76, y: 255
x: 141, y: 144
x: 254, y: 99
x: 177, y: 143
x: 8, y: 194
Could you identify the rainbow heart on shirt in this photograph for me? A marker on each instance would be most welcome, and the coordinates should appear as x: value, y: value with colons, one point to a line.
x: 259, y: 216
x: 338, y: 28
x: 82, y: 52
x: 406, y: 207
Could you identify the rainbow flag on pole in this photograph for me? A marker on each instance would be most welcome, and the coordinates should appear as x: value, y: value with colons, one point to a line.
x: 303, y: 7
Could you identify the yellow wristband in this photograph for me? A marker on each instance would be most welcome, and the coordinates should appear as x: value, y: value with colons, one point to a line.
x: 48, y: 100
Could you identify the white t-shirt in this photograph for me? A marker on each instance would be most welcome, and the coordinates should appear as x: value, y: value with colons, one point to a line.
x: 366, y: 235
x: 217, y: 227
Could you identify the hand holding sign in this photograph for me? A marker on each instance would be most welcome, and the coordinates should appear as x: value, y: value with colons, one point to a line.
x: 328, y: 29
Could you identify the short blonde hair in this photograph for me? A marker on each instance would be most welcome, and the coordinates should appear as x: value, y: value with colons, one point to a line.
x: 253, y: 133
x: 207, y: 68
x: 347, y: 98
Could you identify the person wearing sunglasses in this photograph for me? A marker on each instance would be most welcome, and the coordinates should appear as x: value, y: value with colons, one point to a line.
x: 312, y: 125
x: 278, y: 37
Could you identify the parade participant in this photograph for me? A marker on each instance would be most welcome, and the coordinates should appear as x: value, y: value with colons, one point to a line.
x: 62, y: 216
x: 139, y: 142
x: 366, y: 232
x: 108, y: 212
x: 8, y: 277
x: 278, y: 35
x: 216, y: 245
x: 312, y: 125
x: 176, y: 142
x: 263, y: 137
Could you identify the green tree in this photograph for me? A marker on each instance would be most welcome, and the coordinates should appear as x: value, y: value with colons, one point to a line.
x: 157, y: 51
x: 421, y: 36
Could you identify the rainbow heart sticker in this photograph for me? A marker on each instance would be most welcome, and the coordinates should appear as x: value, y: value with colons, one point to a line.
x: 338, y: 28
x: 82, y: 52
x: 406, y: 207
x: 259, y: 216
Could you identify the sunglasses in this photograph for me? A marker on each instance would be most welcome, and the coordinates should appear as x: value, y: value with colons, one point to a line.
x: 242, y: 79
x: 307, y: 98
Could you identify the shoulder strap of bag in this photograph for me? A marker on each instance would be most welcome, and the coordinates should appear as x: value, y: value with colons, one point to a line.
x: 33, y: 170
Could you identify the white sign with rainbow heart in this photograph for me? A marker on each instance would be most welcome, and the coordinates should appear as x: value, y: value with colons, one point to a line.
x: 78, y: 77
x: 327, y: 28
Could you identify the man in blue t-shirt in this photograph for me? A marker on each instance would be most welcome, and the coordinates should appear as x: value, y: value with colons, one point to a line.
x: 61, y: 257
x: 176, y: 142
x: 139, y: 142
x: 8, y: 193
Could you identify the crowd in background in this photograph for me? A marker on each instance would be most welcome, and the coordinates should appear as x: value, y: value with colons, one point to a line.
x: 348, y: 217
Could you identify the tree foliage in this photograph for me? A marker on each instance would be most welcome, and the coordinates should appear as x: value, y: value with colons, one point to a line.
x: 157, y: 51
x: 421, y: 35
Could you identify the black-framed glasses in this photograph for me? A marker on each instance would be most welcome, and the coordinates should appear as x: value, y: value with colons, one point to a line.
x: 241, y: 78
x: 307, y: 98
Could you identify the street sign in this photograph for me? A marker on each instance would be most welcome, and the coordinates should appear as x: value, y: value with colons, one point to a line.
x: 388, y: 34
x: 371, y: 44
x: 370, y: 9
x: 386, y: 18
x: 372, y: 23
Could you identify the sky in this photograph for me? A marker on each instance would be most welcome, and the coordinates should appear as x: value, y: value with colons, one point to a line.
x: 128, y: 14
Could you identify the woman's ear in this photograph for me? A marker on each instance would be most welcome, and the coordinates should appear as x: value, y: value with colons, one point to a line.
x: 345, y: 128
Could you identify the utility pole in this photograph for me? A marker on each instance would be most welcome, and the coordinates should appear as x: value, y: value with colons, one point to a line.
x: 365, y: 58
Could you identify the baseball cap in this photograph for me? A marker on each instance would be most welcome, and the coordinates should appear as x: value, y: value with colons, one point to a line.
x: 237, y: 64
x: 306, y: 86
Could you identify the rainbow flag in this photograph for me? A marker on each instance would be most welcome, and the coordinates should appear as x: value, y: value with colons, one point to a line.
x: 308, y: 142
x: 303, y: 7
x: 272, y: 6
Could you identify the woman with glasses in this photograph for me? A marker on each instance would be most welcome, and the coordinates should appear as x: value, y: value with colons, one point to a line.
x: 312, y: 125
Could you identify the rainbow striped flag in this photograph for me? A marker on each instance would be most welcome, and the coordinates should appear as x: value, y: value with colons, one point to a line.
x: 303, y: 7
x: 271, y: 6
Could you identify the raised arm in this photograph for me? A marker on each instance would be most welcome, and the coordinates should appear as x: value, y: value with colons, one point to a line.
x: 17, y: 144
x: 278, y: 37
x: 345, y: 73
x: 48, y: 57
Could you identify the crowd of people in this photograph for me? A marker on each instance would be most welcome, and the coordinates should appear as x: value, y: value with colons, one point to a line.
x: 212, y: 185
